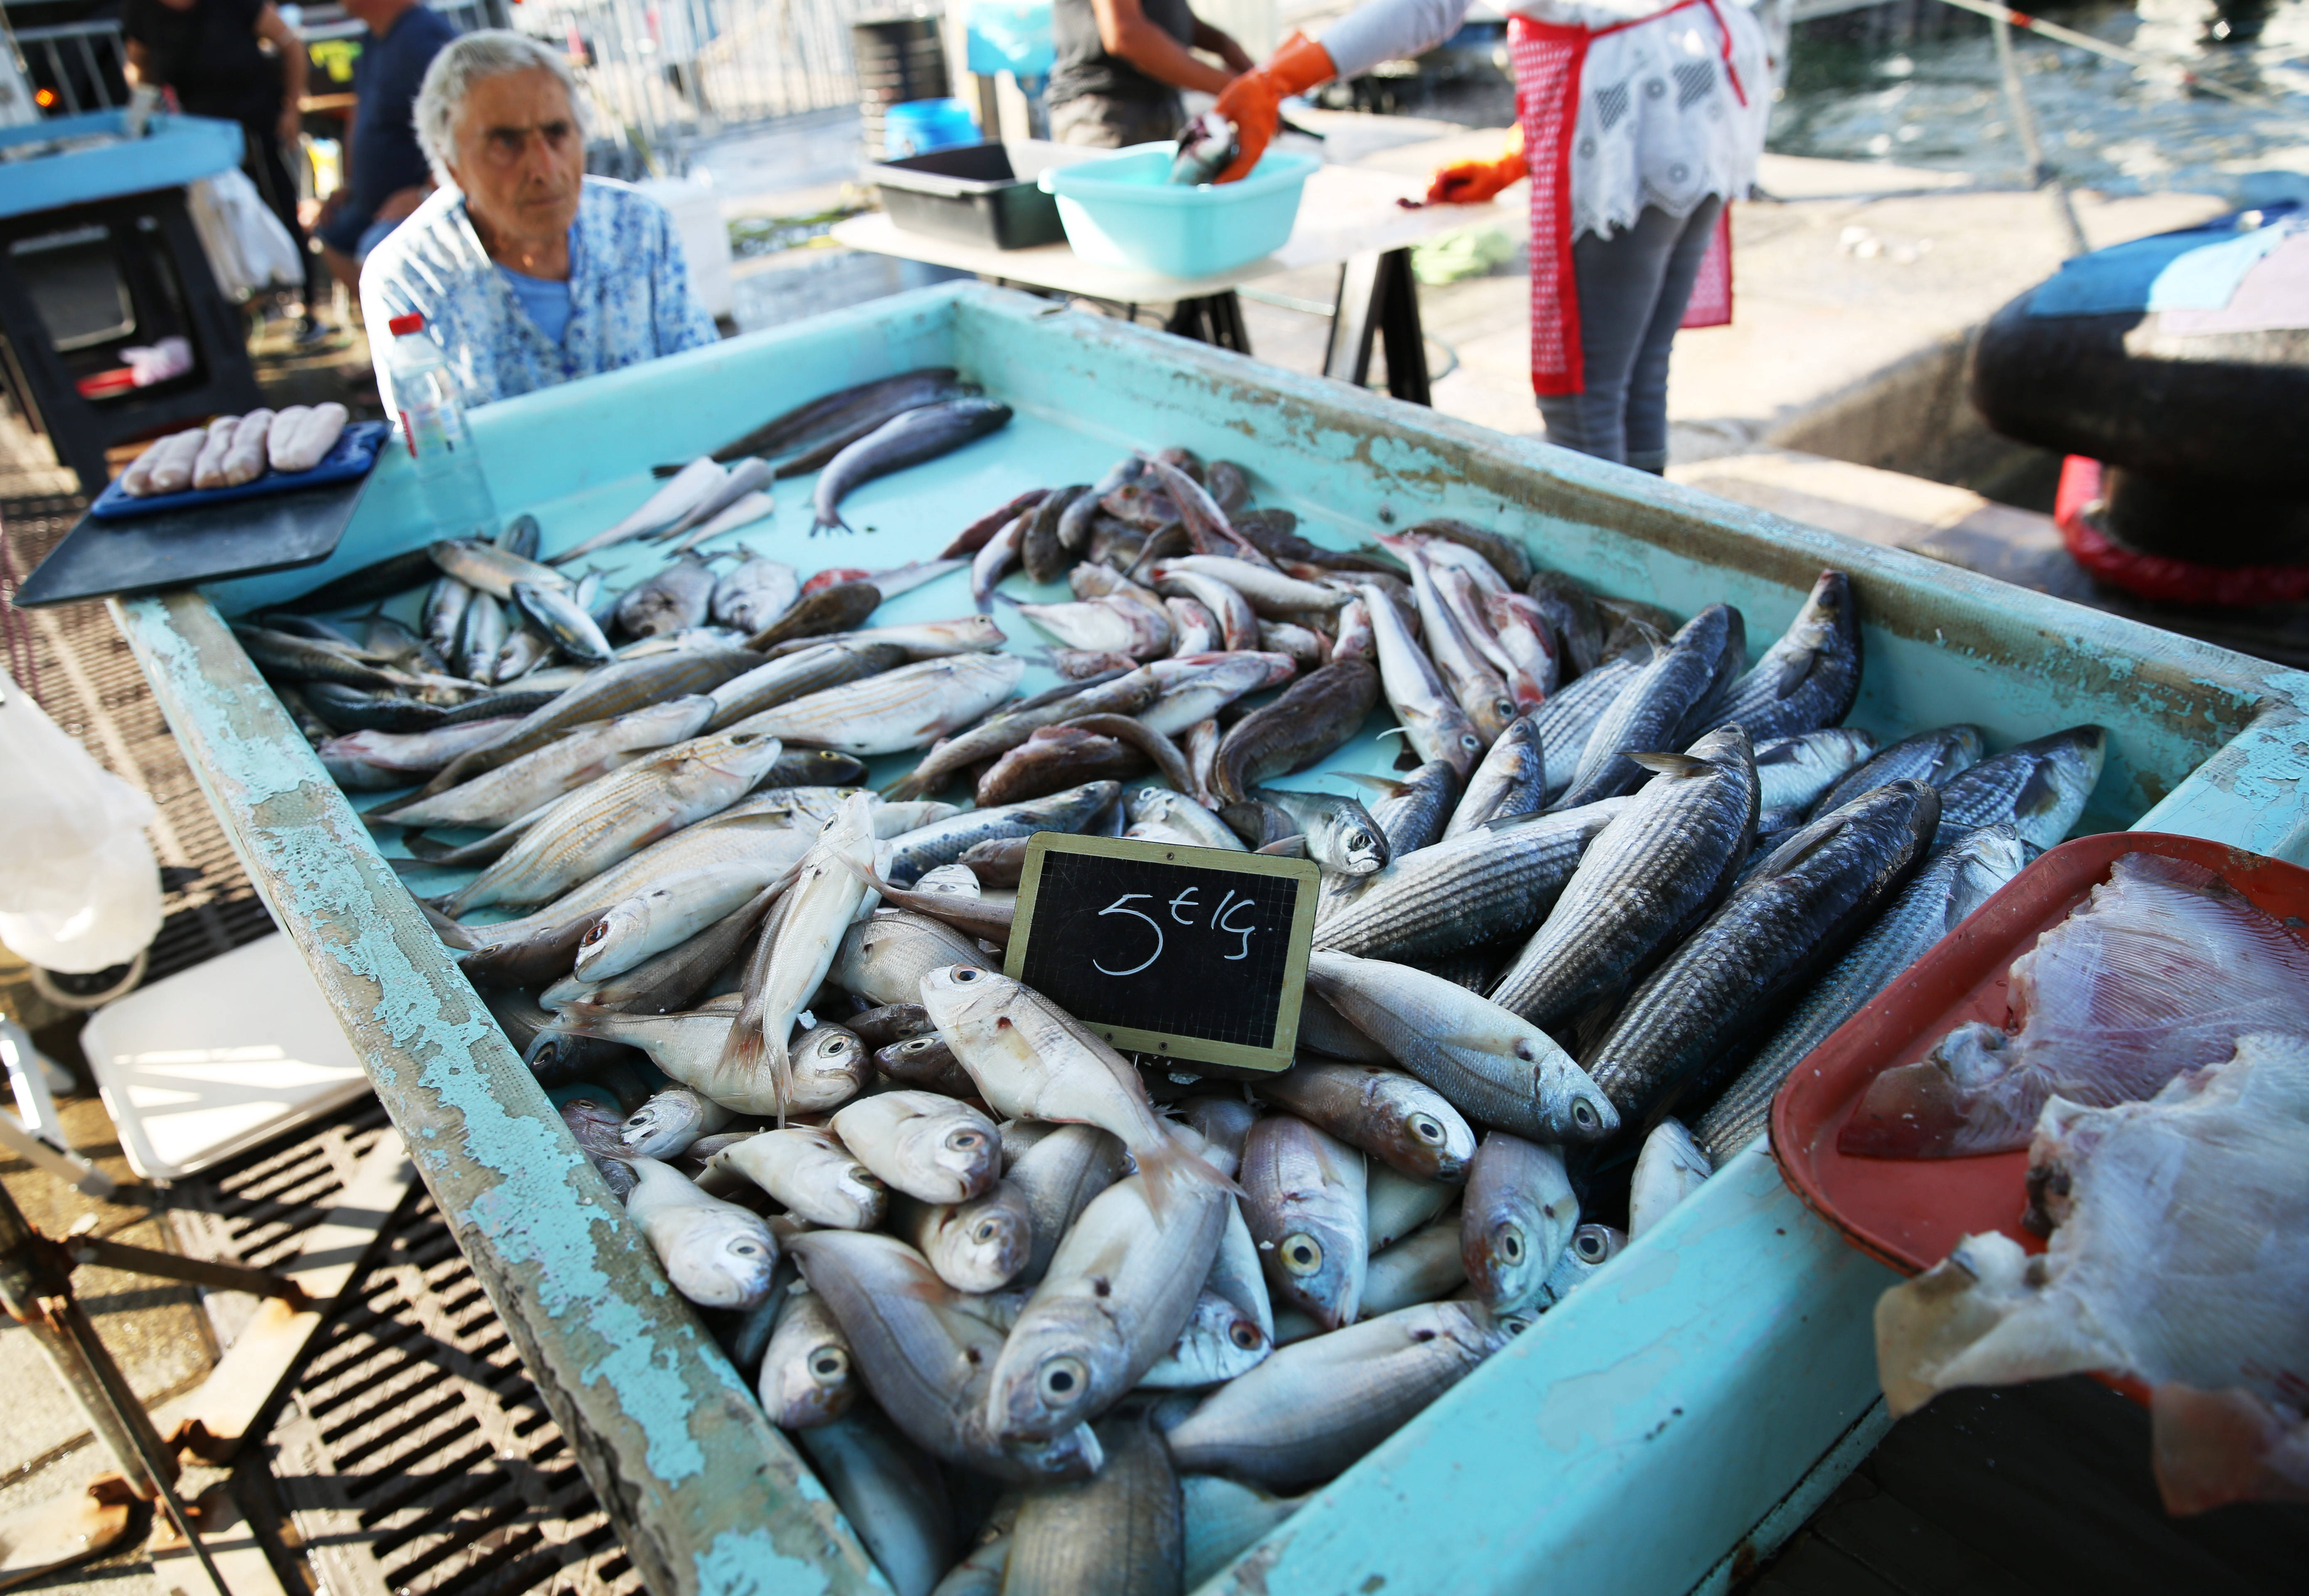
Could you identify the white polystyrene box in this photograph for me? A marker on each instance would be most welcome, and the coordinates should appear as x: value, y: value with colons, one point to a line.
x: 696, y: 213
x: 211, y: 1060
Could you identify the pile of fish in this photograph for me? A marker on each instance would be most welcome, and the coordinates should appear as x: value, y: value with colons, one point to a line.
x: 1029, y: 1305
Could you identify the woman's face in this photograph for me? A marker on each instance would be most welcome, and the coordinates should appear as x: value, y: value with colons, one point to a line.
x: 520, y: 156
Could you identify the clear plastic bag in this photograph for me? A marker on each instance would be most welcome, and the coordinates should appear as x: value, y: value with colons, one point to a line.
x: 79, y: 888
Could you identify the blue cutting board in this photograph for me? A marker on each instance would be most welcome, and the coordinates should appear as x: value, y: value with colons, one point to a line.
x: 352, y: 455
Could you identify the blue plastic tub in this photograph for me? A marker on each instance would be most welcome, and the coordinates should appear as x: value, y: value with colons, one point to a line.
x: 1124, y: 211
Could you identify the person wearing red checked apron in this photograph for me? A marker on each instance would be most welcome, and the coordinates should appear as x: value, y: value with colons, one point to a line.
x: 1638, y: 122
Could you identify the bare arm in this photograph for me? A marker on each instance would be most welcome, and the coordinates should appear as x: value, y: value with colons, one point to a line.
x: 139, y: 64
x: 1216, y: 42
x: 1124, y: 32
x: 273, y: 26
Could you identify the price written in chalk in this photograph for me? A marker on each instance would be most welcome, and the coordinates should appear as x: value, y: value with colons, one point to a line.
x: 1190, y: 953
x: 1223, y: 919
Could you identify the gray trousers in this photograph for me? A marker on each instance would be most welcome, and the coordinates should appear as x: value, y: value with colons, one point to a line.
x: 1109, y: 122
x: 1633, y: 287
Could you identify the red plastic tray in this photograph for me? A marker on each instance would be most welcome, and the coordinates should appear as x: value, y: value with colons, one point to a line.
x: 1909, y: 1212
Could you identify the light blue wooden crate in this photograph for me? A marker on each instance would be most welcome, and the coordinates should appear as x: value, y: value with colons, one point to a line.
x: 1691, y: 1402
x: 174, y: 152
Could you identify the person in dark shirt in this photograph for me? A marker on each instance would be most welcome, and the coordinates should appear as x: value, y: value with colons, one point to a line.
x: 210, y: 54
x: 1121, y: 63
x: 385, y: 174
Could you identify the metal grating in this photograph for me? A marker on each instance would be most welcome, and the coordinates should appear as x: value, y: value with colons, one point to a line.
x: 413, y: 1455
x: 85, y: 677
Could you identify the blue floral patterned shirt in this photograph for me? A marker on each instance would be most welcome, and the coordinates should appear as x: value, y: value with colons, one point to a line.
x: 629, y: 294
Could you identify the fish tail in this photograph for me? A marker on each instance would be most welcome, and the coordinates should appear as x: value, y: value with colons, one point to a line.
x: 781, y: 1076
x: 1171, y: 1165
x: 906, y: 788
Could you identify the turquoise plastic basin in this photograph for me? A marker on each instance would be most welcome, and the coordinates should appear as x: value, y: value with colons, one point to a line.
x: 1124, y: 211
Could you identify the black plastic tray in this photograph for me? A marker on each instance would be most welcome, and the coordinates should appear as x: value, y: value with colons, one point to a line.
x: 972, y: 193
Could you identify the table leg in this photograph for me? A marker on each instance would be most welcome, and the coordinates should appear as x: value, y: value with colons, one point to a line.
x: 1212, y: 319
x: 1378, y: 298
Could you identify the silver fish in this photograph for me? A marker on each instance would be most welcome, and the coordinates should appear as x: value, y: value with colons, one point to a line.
x: 1420, y: 1268
x: 926, y: 1357
x: 373, y: 759
x: 561, y: 618
x: 907, y: 708
x: 1512, y: 780
x: 811, y: 670
x: 670, y: 912
x: 1950, y: 886
x: 683, y: 492
x: 443, y: 613
x: 1303, y: 1198
x: 1671, y: 1168
x: 1392, y: 1117
x: 998, y: 734
x: 1792, y: 772
x: 829, y: 892
x: 754, y: 593
x: 1222, y: 1339
x: 1312, y: 1408
x: 599, y: 825
x: 488, y: 569
x: 1515, y: 1220
x: 1119, y: 1534
x: 1648, y: 879
x: 1592, y: 1247
x: 1809, y: 902
x: 884, y: 958
x: 903, y: 860
x: 674, y: 600
x: 806, y: 1379
x: 1224, y: 1519
x: 1059, y: 1174
x: 828, y: 1065
x: 1342, y: 836
x: 480, y: 633
x: 1932, y: 757
x: 520, y: 787
x: 933, y: 1149
x: 978, y: 1245
x: 525, y: 649
x: 1480, y: 689
x: 670, y: 1121
x: 905, y: 439
x: 1118, y: 1291
x: 1158, y: 815
x: 1395, y: 1205
x: 717, y: 1255
x: 1567, y: 720
x: 1807, y: 679
x: 890, y: 1492
x: 1477, y: 889
x: 1206, y: 148
x: 1434, y: 723
x: 1193, y: 687
x: 1681, y: 685
x: 2039, y: 787
x: 1112, y: 625
x: 915, y: 639
x: 812, y: 1173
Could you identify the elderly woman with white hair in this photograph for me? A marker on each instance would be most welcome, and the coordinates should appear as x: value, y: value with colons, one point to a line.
x: 527, y: 272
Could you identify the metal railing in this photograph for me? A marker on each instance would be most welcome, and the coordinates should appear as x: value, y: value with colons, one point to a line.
x: 663, y: 74
x: 79, y: 64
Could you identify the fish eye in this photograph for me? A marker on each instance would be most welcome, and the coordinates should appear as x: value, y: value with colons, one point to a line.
x: 601, y: 930
x: 963, y: 975
x: 1590, y: 1244
x: 1511, y: 1245
x: 1427, y: 1127
x: 1062, y: 1379
x: 966, y: 1141
x: 986, y: 1230
x: 1301, y: 1254
x: 1584, y: 1115
x: 918, y: 1045
x: 827, y: 1364
x: 1244, y: 1334
x: 745, y: 1249
x: 1361, y: 839
x: 1471, y: 742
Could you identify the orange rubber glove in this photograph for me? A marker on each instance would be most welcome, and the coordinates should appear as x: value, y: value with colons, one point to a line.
x: 1253, y: 102
x: 1471, y: 182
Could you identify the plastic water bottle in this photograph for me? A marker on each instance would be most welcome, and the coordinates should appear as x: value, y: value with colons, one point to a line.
x: 433, y: 427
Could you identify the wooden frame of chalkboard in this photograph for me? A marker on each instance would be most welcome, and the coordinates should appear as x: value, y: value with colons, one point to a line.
x: 1189, y: 953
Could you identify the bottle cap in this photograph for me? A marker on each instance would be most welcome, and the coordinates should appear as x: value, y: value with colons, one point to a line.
x: 412, y: 323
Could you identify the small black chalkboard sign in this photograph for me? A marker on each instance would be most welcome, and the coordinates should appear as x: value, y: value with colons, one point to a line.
x: 1190, y: 953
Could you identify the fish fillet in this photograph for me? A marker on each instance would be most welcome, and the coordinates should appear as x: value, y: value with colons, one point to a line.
x: 2159, y: 971
x: 2181, y: 1257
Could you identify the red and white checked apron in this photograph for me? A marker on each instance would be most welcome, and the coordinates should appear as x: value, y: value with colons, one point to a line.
x: 1549, y: 60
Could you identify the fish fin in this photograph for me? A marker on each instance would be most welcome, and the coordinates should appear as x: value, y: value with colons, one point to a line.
x: 1793, y: 674
x: 1669, y: 764
x: 1172, y: 1165
x: 904, y: 789
x: 1385, y: 786
x: 413, y: 867
x: 1293, y: 847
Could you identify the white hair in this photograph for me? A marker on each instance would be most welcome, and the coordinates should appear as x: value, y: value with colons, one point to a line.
x: 466, y: 61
